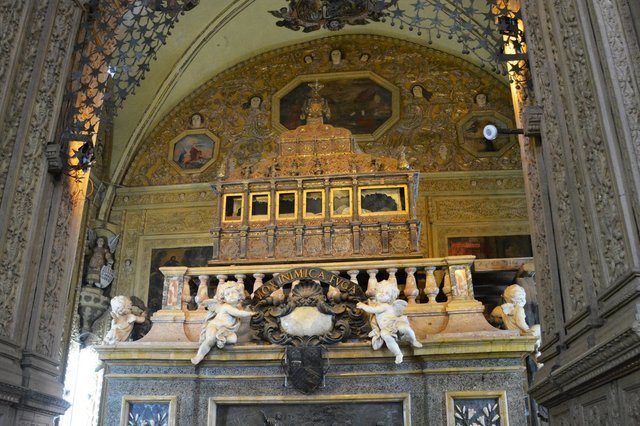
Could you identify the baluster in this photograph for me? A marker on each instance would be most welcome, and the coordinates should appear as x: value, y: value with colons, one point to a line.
x: 372, y: 283
x: 203, y: 291
x: 410, y: 287
x: 392, y: 276
x: 353, y: 275
x: 186, y: 292
x: 447, y: 284
x: 240, y: 280
x: 258, y: 283
x: 431, y: 286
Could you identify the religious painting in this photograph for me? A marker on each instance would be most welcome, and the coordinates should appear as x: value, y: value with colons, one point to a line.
x: 377, y: 200
x: 287, y: 207
x: 491, y: 247
x: 365, y: 410
x: 233, y: 204
x: 487, y: 408
x: 148, y: 410
x: 179, y: 256
x: 260, y: 203
x: 471, y: 138
x: 313, y: 203
x: 362, y: 102
x: 193, y: 151
x: 340, y: 202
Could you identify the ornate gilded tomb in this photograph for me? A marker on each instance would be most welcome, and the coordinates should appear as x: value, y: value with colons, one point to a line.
x: 339, y: 220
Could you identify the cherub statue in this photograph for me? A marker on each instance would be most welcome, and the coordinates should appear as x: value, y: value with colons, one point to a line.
x: 511, y: 314
x: 223, y: 320
x: 122, y: 320
x: 388, y: 320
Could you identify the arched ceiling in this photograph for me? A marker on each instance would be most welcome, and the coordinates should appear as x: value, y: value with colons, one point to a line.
x: 215, y: 36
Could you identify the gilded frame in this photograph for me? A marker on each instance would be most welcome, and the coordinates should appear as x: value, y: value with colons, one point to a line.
x: 349, y: 75
x: 196, y: 132
x: 224, y: 204
x: 260, y: 218
x: 500, y: 395
x: 334, y: 190
x: 405, y: 211
x: 304, y: 204
x: 159, y: 399
x: 405, y: 398
x: 295, y: 204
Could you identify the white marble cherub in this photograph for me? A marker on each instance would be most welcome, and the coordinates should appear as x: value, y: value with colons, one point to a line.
x: 511, y: 314
x: 122, y: 320
x: 223, y: 320
x: 388, y: 321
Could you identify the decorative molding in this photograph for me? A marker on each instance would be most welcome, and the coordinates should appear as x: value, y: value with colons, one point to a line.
x: 247, y: 134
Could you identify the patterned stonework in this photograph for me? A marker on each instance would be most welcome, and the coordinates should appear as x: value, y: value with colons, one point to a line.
x: 427, y: 126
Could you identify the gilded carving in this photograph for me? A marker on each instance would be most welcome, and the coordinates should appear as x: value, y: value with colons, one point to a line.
x: 472, y: 209
x: 171, y: 221
x: 286, y: 247
x: 342, y: 244
x: 229, y: 248
x: 371, y: 243
x: 427, y: 124
x: 313, y: 245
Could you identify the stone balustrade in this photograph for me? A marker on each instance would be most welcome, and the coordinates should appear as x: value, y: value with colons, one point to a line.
x: 421, y: 279
x: 439, y: 291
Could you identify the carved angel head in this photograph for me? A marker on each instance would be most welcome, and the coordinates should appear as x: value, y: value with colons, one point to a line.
x: 121, y: 305
x: 386, y: 291
x: 515, y: 294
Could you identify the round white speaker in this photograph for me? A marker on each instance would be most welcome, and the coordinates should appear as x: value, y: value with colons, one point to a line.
x: 490, y: 132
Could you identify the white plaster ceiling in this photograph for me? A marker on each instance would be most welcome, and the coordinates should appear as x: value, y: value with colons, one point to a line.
x: 214, y: 36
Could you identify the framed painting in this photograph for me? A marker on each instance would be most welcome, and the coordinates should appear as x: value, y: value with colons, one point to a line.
x: 382, y: 200
x: 313, y: 203
x: 363, y: 409
x: 491, y: 247
x: 176, y: 256
x: 470, y: 135
x: 488, y: 408
x: 287, y: 205
x: 192, y: 151
x: 232, y: 207
x: 341, y: 202
x: 259, y: 206
x: 148, y: 410
x: 361, y: 101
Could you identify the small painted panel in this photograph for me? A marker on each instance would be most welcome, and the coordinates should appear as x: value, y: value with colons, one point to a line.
x: 193, y: 151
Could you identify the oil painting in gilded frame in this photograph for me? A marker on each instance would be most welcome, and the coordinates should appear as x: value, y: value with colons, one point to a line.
x: 491, y: 247
x: 192, y: 151
x: 488, y: 408
x: 148, y: 410
x: 361, y: 101
x: 362, y: 409
x: 176, y: 256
